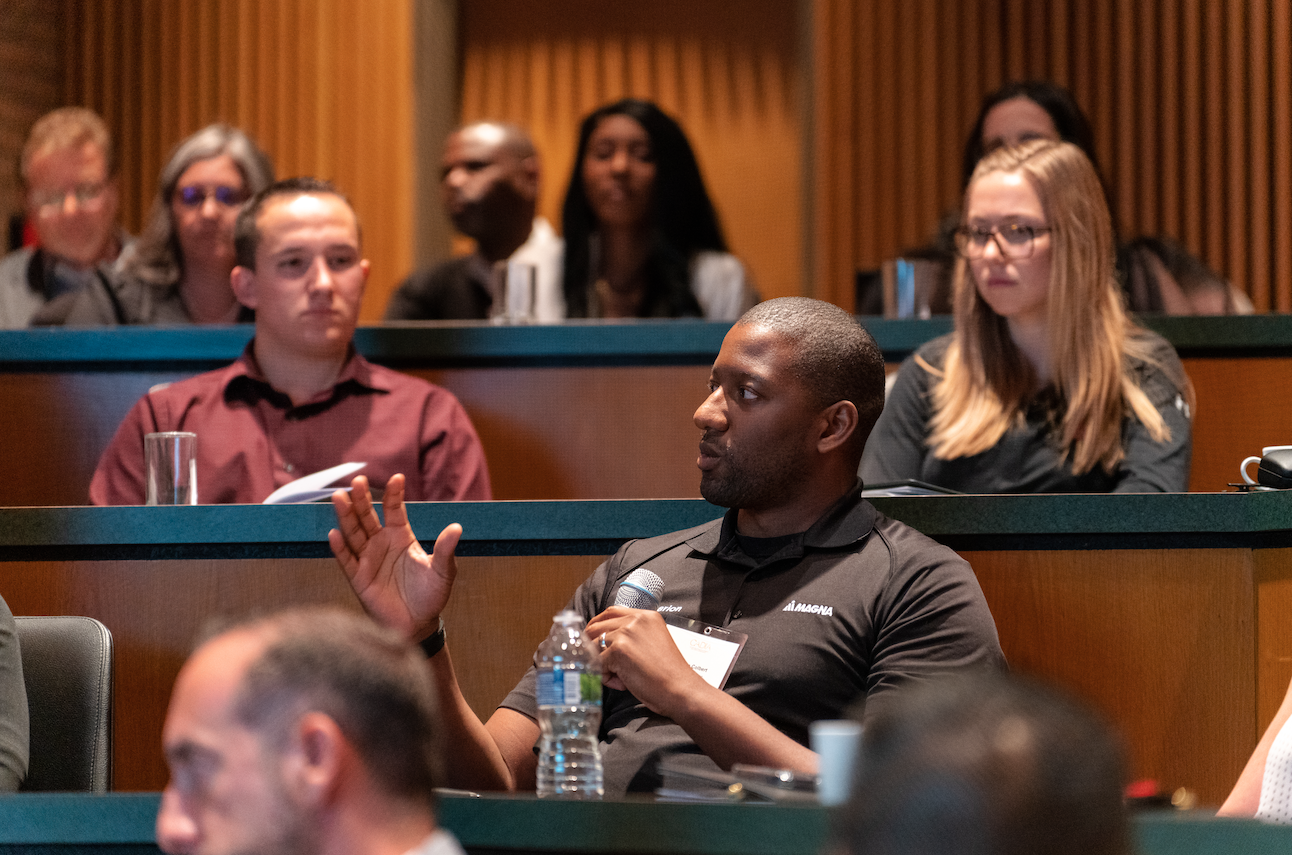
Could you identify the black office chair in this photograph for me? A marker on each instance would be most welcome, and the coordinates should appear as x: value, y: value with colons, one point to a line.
x: 67, y: 668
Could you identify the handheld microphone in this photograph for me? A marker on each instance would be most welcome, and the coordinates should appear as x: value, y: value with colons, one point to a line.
x: 641, y: 590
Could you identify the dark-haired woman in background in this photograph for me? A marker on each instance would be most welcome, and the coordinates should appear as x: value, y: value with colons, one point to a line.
x: 641, y: 236
x: 178, y: 270
x: 1027, y: 110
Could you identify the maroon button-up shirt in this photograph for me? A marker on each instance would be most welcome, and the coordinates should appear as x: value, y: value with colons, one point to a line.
x: 251, y: 440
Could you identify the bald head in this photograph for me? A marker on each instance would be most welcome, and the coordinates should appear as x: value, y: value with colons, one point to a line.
x: 506, y: 137
x: 490, y: 182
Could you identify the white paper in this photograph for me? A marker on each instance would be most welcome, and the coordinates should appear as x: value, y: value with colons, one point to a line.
x: 311, y: 488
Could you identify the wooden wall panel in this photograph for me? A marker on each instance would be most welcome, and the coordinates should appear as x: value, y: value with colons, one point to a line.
x: 31, y: 66
x: 1162, y: 642
x: 1190, y: 101
x: 156, y: 610
x: 729, y: 72
x: 829, y: 130
x: 1174, y: 646
x: 323, y: 85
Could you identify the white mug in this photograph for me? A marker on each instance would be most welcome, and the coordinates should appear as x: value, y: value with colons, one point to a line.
x: 1242, y: 467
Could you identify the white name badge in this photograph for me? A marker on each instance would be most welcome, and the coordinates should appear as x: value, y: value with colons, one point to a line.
x: 711, y: 651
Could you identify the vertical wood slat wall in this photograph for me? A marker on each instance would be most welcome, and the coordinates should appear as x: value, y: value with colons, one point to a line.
x: 323, y: 85
x: 729, y: 72
x: 1191, y: 101
x: 31, y: 62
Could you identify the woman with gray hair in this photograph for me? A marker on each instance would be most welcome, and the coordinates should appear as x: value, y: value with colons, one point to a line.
x: 177, y: 272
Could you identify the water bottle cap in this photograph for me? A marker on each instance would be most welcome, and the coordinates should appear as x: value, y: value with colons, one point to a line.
x: 567, y: 617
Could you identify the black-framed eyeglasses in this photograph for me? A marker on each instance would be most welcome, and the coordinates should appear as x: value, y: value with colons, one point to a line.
x: 195, y: 195
x: 1014, y: 240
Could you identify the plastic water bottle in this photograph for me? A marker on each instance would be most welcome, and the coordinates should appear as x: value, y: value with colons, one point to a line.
x: 569, y: 713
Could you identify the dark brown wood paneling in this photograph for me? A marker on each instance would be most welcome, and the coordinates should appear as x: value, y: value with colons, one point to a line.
x: 575, y: 433
x: 156, y: 610
x: 1190, y: 102
x: 1161, y: 641
x: 1167, y: 643
x: 33, y: 42
x: 729, y: 72
x: 325, y: 86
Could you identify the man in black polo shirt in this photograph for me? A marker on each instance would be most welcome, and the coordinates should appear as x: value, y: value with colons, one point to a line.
x: 837, y: 601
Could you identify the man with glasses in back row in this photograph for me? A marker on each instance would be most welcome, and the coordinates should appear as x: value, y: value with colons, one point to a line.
x: 68, y: 173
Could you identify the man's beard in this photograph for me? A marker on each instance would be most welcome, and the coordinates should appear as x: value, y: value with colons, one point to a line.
x: 736, y: 483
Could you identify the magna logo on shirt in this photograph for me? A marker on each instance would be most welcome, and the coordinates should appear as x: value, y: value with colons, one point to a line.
x: 809, y: 608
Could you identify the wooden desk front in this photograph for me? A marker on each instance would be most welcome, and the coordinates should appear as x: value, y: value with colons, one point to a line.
x: 1168, y: 613
x: 583, y: 411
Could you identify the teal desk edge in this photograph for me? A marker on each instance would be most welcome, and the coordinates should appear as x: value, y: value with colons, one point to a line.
x: 539, y: 527
x: 639, y: 342
x: 524, y: 823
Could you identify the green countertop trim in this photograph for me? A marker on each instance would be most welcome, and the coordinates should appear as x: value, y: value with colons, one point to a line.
x: 937, y: 516
x: 641, y: 342
x: 78, y: 818
x: 523, y: 822
x: 224, y: 524
x: 1170, y: 833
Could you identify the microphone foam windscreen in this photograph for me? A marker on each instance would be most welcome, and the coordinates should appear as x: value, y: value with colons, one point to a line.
x: 641, y: 590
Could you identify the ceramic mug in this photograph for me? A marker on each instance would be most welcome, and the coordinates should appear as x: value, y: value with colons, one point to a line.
x: 1242, y: 467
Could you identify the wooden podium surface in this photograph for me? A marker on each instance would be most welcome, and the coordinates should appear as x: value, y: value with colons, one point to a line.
x: 576, y: 411
x: 1170, y: 613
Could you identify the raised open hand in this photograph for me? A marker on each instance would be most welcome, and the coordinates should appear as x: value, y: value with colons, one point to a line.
x: 397, y: 582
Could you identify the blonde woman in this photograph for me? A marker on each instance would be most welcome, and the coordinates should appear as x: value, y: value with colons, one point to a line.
x: 1045, y: 385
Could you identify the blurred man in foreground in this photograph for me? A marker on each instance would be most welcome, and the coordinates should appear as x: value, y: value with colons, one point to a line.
x: 310, y: 732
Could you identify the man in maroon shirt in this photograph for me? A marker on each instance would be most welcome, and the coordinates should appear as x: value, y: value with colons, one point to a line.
x: 300, y: 399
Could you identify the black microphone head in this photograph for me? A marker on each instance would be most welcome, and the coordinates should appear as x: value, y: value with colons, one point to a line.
x: 641, y: 590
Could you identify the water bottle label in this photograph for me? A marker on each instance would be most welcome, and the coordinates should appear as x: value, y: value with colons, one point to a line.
x: 568, y: 688
x: 589, y: 689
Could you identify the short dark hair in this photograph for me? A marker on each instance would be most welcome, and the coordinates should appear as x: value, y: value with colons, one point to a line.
x: 836, y: 359
x: 1056, y: 100
x: 986, y: 765
x: 366, y: 678
x: 246, y: 231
